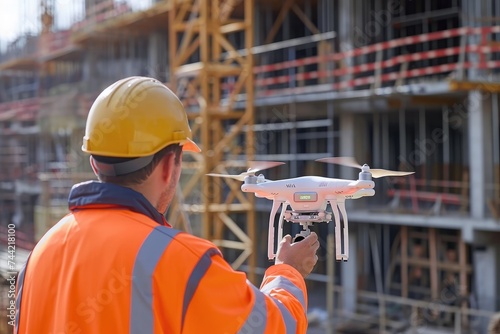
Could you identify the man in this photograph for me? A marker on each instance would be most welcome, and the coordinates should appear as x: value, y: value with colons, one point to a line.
x: 114, y: 265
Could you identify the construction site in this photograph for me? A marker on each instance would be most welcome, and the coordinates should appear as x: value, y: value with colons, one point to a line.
x: 403, y: 85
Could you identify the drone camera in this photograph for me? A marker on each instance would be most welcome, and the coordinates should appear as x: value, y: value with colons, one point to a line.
x: 304, y: 232
x: 298, y: 238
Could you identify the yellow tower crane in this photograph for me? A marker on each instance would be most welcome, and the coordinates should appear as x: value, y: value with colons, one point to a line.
x: 207, y: 65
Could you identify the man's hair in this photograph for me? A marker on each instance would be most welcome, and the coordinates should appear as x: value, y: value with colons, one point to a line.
x: 142, y: 174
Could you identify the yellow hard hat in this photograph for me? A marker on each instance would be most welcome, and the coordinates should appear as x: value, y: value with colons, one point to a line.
x: 136, y: 117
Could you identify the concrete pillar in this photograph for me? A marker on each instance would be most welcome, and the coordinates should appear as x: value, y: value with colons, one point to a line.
x: 476, y: 137
x: 90, y: 73
x: 351, y: 135
x: 485, y: 271
x: 358, y: 24
x: 486, y: 274
x: 347, y: 128
x: 353, y: 141
x: 489, y: 157
x: 471, y: 10
x: 157, y: 53
x: 480, y: 142
x: 346, y: 37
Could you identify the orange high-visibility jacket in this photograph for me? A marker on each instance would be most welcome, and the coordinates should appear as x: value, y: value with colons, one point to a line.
x: 115, y: 266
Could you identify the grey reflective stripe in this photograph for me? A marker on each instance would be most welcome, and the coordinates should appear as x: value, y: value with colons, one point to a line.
x: 194, y: 279
x: 122, y: 168
x: 257, y: 319
x: 284, y: 283
x: 141, y: 309
x: 20, y: 283
x: 290, y: 322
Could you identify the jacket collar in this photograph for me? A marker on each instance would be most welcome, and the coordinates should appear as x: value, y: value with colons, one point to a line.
x: 94, y: 192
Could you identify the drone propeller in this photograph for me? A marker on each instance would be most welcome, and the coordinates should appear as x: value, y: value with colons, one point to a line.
x: 254, y: 167
x: 351, y: 162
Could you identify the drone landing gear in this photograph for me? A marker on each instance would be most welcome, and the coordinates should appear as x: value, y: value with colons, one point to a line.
x: 306, y: 219
x: 341, y: 231
x: 341, y: 227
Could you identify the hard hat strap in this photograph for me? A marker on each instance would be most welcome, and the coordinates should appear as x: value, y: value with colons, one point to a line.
x: 122, y: 168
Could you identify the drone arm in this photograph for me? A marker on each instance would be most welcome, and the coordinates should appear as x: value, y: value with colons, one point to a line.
x: 270, y: 236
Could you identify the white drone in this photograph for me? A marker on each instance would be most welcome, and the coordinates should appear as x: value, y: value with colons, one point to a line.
x: 308, y: 197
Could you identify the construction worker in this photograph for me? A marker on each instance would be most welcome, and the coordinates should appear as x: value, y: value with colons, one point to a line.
x: 114, y: 265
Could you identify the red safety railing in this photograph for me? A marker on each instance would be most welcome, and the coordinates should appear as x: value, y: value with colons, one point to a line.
x: 296, y: 76
x: 383, y: 64
x: 441, y: 193
x: 59, y: 41
x: 100, y: 13
x: 111, y: 9
x: 21, y: 110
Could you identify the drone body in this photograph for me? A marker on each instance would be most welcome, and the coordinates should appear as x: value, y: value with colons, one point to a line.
x: 307, y: 193
x: 309, y: 196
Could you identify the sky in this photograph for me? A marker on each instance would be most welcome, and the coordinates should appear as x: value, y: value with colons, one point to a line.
x: 9, y: 19
x: 23, y: 16
x: 17, y: 17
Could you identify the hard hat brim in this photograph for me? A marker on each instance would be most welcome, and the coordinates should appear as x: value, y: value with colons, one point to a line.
x: 190, y: 146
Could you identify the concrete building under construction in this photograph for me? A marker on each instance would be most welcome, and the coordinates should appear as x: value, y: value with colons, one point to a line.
x: 401, y: 85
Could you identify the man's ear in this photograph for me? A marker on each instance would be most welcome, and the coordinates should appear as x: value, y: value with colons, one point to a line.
x: 92, y: 164
x: 168, y: 163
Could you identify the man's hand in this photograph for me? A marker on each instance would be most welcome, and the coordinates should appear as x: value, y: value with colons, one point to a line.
x: 300, y: 255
